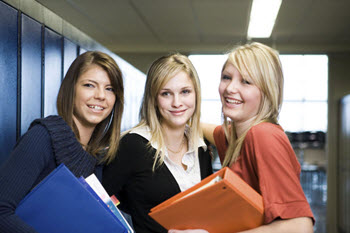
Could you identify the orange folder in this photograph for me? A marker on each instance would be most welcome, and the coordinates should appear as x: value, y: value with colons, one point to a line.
x: 220, y: 203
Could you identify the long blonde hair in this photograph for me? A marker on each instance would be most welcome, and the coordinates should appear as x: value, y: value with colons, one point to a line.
x: 160, y: 72
x: 262, y: 64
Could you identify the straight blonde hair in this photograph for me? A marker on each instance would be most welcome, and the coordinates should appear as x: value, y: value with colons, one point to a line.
x: 160, y: 72
x: 262, y: 64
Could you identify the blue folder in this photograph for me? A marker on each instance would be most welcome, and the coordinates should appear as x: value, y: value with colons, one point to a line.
x: 60, y: 203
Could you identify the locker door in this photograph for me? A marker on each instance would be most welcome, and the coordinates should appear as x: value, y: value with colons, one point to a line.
x: 8, y: 79
x: 31, y: 72
x: 52, y: 70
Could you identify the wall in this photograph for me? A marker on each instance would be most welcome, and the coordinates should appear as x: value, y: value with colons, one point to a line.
x: 338, y: 86
x: 141, y: 60
x: 36, y: 49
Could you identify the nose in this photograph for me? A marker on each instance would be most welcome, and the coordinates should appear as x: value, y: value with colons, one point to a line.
x: 176, y: 101
x: 232, y: 87
x: 100, y: 93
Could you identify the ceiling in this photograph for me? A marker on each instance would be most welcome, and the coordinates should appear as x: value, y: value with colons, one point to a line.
x: 205, y: 26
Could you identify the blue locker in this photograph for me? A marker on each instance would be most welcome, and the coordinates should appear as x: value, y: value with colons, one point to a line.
x: 70, y: 51
x: 31, y: 71
x: 52, y: 70
x: 8, y: 79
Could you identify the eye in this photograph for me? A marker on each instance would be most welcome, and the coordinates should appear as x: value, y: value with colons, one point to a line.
x: 165, y: 93
x: 88, y: 85
x: 246, y: 82
x: 110, y: 89
x: 226, y: 77
x: 186, y: 91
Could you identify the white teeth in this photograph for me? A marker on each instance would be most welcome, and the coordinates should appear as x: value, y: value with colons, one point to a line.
x: 233, y: 101
x: 95, y: 107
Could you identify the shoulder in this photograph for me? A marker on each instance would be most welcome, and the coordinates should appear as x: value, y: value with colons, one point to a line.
x: 48, y: 121
x: 34, y: 147
x: 37, y: 133
x: 36, y: 140
x: 266, y: 126
x: 269, y: 141
x: 268, y: 137
x: 55, y: 126
x: 133, y: 139
x: 133, y: 151
x: 266, y: 131
x: 132, y: 146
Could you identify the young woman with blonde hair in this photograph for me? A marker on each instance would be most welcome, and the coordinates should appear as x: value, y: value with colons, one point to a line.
x: 253, y: 144
x: 165, y: 153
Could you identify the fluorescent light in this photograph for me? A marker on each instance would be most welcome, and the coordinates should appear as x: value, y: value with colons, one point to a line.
x: 262, y: 18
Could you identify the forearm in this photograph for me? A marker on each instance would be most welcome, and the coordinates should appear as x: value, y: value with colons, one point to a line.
x: 300, y: 225
x: 208, y: 131
x: 10, y: 222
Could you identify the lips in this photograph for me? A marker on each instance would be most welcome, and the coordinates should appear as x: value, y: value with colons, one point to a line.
x: 177, y: 112
x: 233, y: 101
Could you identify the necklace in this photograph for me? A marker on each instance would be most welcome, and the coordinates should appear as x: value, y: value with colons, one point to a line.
x: 181, y: 147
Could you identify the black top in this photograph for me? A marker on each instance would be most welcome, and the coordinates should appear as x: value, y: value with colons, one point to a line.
x: 131, y: 179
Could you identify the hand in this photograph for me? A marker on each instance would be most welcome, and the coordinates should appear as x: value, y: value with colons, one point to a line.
x: 188, y: 231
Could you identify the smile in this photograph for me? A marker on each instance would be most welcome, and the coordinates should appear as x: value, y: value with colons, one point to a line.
x: 96, y: 107
x: 178, y: 112
x: 233, y: 101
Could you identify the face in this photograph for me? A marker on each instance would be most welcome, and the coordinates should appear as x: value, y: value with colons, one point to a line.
x: 94, y: 98
x: 177, y: 101
x: 239, y: 97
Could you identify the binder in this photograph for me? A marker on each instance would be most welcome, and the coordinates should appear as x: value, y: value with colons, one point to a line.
x: 220, y: 203
x: 60, y: 203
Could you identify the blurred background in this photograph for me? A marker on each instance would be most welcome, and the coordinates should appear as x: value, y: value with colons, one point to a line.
x: 39, y: 40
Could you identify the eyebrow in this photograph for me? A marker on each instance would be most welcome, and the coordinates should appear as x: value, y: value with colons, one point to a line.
x: 93, y: 81
x: 169, y: 89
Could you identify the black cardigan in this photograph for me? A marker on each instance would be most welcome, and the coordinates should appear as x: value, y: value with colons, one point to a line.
x: 130, y: 178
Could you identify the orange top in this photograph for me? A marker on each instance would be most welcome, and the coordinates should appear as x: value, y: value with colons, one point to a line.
x: 267, y: 162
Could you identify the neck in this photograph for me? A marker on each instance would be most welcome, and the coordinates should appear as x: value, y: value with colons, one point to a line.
x: 241, y: 127
x: 173, y: 136
x: 84, y: 133
x: 176, y: 144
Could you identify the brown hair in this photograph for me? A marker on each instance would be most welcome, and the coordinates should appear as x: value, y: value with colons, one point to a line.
x: 107, y: 132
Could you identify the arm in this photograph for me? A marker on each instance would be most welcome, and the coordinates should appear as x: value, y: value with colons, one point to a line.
x: 301, y: 224
x: 208, y: 131
x: 268, y: 152
x: 130, y: 160
x: 188, y: 231
x: 117, y: 173
x: 20, y: 173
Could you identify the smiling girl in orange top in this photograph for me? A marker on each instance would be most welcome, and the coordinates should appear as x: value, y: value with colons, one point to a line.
x: 253, y: 144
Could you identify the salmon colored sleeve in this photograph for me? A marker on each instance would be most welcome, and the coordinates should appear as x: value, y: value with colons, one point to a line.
x: 278, y: 172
